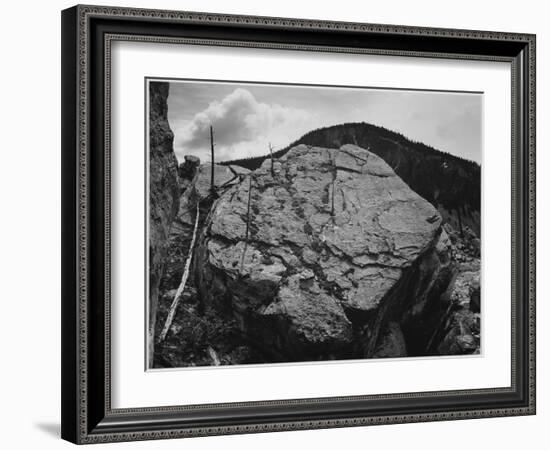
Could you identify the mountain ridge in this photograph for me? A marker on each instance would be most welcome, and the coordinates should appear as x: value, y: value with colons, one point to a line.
x: 451, y: 183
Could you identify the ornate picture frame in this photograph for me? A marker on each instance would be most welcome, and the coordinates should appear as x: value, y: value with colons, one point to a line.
x: 88, y: 33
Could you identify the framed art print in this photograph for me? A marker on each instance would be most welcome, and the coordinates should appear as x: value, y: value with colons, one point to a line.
x: 279, y: 224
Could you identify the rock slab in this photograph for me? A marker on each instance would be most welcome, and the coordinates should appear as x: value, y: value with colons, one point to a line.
x: 316, y: 251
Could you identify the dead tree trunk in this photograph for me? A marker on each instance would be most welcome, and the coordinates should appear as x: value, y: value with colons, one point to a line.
x: 247, y: 232
x: 334, y: 172
x: 271, y: 155
x: 248, y: 209
x: 213, y: 356
x: 332, y: 201
x: 212, y: 186
x: 184, y: 277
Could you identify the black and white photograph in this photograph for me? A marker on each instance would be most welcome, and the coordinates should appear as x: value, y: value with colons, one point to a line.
x: 275, y: 225
x: 302, y: 223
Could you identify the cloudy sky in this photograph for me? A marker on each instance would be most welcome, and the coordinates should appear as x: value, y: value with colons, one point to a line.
x: 248, y: 117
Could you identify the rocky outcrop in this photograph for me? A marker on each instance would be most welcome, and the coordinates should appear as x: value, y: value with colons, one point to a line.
x: 194, y: 331
x: 164, y: 191
x: 322, y: 254
x: 187, y: 171
x: 461, y: 328
x: 195, y: 180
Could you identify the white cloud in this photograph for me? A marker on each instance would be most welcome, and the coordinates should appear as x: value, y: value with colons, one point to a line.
x: 240, y: 124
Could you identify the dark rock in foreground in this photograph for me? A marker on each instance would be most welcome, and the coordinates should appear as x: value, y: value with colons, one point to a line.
x: 461, y: 328
x: 164, y: 192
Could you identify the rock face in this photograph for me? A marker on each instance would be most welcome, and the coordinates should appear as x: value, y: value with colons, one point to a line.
x: 187, y: 171
x: 391, y: 342
x: 460, y: 333
x: 322, y: 254
x: 164, y: 191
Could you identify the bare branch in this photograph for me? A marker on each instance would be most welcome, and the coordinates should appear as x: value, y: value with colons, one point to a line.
x: 212, y: 185
x: 271, y: 155
x: 247, y: 233
x: 332, y: 206
x: 334, y: 175
x: 214, y: 356
x: 184, y: 277
x: 248, y: 208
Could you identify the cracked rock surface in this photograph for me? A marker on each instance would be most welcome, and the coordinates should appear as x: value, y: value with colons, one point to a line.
x: 316, y: 252
x: 164, y: 191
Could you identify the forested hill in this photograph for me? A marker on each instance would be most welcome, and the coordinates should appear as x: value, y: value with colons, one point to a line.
x: 450, y: 183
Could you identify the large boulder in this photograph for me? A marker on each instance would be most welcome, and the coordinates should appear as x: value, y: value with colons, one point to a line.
x: 315, y: 252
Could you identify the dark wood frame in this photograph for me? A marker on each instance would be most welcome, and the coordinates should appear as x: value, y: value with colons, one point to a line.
x: 87, y: 415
